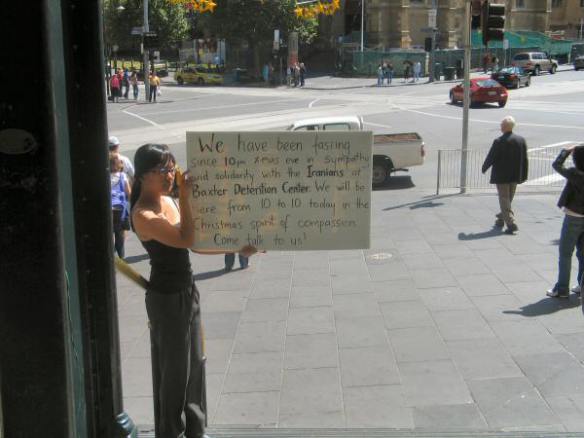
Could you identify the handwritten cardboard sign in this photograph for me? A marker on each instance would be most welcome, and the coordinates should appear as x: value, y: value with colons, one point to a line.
x: 281, y: 190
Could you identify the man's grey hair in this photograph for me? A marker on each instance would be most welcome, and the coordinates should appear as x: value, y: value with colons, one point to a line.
x: 509, y: 121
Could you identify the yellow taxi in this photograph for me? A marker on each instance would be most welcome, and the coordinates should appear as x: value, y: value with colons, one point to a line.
x: 199, y: 74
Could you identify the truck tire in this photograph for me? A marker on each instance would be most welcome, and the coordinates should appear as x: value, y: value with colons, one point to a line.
x: 381, y: 171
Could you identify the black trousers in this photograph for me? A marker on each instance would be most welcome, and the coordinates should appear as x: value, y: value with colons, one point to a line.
x: 153, y: 89
x: 118, y: 232
x: 178, y: 371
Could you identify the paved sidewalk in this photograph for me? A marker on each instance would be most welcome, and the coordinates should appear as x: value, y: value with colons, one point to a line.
x: 443, y: 324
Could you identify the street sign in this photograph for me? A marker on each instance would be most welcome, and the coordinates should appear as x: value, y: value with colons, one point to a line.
x: 432, y: 18
x: 276, y: 46
x: 139, y: 30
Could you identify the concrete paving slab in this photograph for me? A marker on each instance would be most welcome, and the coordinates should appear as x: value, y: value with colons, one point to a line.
x: 445, y: 298
x: 311, y: 351
x: 553, y: 374
x: 311, y: 296
x: 432, y: 383
x: 456, y: 325
x: 482, y: 359
x: 511, y: 402
x: 368, y: 366
x: 377, y: 406
x: 367, y: 331
x: 406, y: 314
x: 311, y: 397
x: 310, y: 320
x: 417, y: 344
x: 449, y: 417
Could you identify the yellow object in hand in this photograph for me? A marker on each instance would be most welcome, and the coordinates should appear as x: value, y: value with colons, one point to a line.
x: 130, y: 273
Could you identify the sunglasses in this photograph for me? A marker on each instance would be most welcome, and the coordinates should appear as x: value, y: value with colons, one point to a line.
x: 167, y: 170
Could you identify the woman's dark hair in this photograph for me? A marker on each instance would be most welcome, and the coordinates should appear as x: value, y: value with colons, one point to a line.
x: 578, y: 157
x: 148, y: 157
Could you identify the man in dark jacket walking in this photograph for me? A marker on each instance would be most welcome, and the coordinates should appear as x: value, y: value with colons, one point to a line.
x: 508, y: 158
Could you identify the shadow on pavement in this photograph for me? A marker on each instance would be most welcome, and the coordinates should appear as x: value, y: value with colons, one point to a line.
x: 428, y: 204
x: 484, y: 235
x: 136, y: 258
x: 397, y: 183
x: 428, y: 201
x: 546, y: 306
x: 209, y: 275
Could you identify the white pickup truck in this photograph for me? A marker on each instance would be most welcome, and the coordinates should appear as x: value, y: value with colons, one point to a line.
x: 391, y: 152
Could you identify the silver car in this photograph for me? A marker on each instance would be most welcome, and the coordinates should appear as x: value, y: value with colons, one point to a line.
x: 535, y: 62
x: 579, y: 62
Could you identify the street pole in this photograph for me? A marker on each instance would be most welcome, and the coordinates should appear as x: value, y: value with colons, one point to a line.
x: 362, y: 22
x: 146, y: 53
x: 432, y: 58
x: 467, y: 52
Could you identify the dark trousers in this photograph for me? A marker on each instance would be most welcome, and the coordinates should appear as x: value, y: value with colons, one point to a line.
x: 230, y: 260
x: 177, y: 363
x: 152, y: 96
x: 118, y: 232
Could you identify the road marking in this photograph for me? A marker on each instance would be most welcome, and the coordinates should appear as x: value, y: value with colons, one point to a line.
x: 144, y: 119
x: 544, y: 180
x: 378, y: 125
x: 198, y: 109
x: 312, y: 103
x: 491, y: 122
x: 553, y: 145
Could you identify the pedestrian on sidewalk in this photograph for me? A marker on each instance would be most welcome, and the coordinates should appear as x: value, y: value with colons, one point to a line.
x: 114, y: 148
x: 167, y: 231
x: 126, y: 83
x: 508, y: 159
x: 417, y: 70
x: 380, y: 74
x: 120, y: 200
x: 407, y: 69
x: 154, y: 84
x: 302, y: 74
x: 134, y: 83
x: 389, y: 72
x: 115, y: 88
x: 572, y: 235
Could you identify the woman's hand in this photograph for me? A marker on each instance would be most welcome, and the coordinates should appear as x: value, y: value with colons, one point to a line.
x: 184, y: 183
x: 248, y: 250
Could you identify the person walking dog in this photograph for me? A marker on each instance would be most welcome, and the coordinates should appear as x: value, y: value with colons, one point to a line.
x: 508, y: 159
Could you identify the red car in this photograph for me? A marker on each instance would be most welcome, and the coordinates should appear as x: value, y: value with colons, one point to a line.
x: 482, y: 90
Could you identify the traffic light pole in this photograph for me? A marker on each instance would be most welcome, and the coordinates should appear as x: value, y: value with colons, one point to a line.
x: 146, y: 54
x: 466, y: 99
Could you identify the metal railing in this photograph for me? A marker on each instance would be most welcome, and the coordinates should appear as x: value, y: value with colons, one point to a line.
x: 540, y: 174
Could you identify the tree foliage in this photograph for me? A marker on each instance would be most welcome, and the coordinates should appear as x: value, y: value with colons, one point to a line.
x: 255, y: 21
x: 170, y: 22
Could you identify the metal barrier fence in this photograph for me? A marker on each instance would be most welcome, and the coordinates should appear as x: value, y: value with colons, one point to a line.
x: 540, y: 172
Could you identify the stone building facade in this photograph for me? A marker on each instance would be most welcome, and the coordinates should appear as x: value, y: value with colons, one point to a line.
x: 404, y: 23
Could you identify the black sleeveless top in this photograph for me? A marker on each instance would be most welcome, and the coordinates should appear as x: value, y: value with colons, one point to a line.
x: 171, y: 268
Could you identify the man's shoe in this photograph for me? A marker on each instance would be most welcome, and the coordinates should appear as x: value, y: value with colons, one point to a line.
x: 228, y: 268
x: 576, y: 289
x: 555, y: 294
x: 499, y: 223
x: 511, y: 229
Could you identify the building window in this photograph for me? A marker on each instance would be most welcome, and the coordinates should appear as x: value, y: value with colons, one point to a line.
x: 558, y: 3
x: 519, y: 4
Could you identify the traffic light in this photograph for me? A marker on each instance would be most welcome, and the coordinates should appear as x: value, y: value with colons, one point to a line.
x: 150, y: 40
x: 493, y: 22
x: 476, y: 11
x: 428, y: 44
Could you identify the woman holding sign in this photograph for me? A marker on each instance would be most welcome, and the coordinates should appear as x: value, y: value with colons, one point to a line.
x: 167, y: 231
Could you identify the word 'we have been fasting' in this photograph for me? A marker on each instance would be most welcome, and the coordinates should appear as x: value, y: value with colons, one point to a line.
x: 281, y: 190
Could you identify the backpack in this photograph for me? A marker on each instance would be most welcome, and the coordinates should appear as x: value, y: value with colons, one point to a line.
x: 119, y: 201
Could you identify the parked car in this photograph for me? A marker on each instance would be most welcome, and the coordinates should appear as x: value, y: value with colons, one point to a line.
x: 482, y: 90
x: 512, y: 77
x: 535, y: 62
x: 199, y: 74
x: 391, y: 152
x: 579, y: 62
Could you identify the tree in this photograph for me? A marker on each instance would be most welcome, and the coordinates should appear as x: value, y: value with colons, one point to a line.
x: 168, y: 21
x: 254, y: 22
